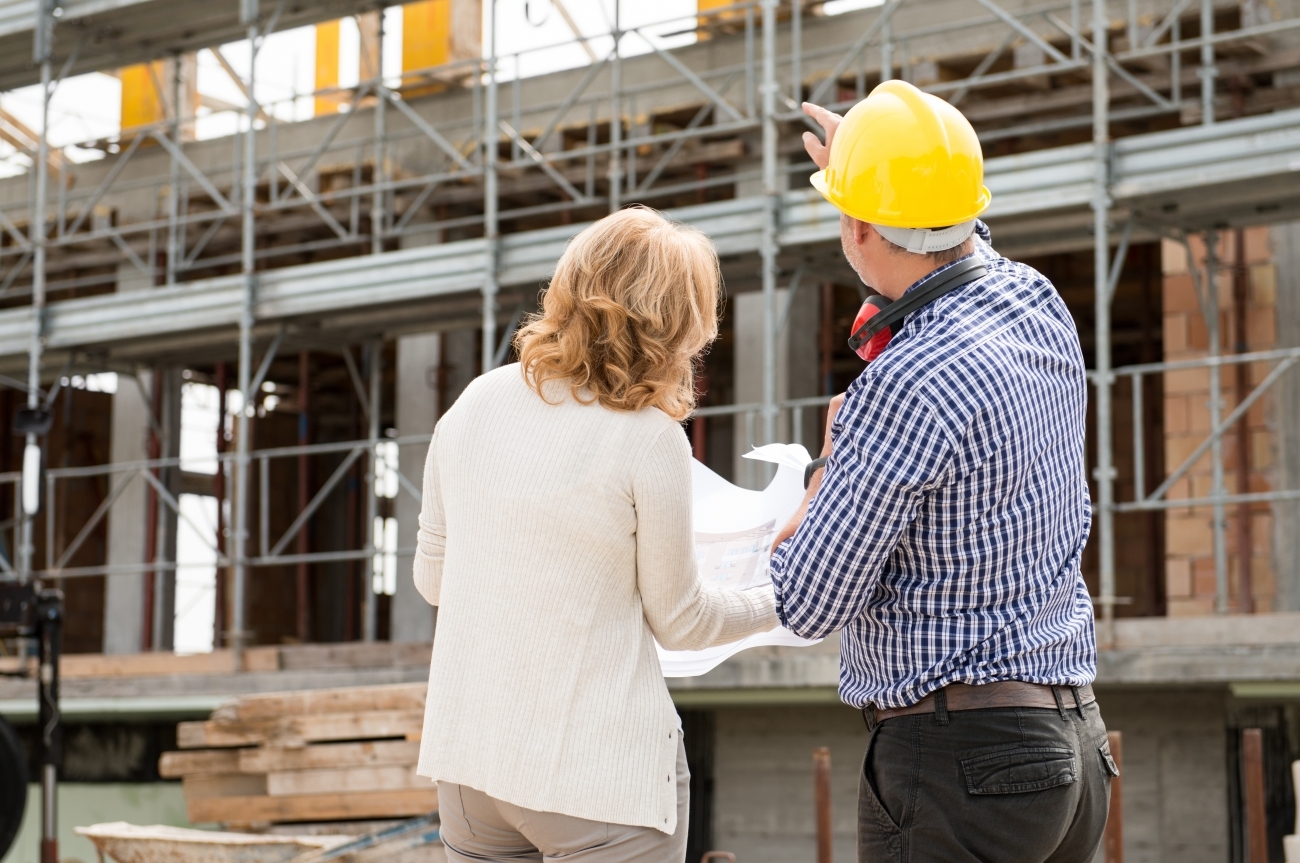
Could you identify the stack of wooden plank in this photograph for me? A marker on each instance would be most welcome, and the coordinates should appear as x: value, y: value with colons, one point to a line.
x: 315, y: 756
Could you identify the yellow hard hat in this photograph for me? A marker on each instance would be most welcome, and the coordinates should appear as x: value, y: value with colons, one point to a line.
x: 905, y: 159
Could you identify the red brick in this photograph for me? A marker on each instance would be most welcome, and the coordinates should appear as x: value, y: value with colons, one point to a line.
x: 1173, y: 257
x: 1261, y: 328
x: 1190, y: 607
x: 1175, y: 333
x: 1263, y: 284
x: 1178, y: 577
x: 1261, y: 450
x: 1176, y: 420
x: 1187, y: 381
x: 1257, y: 245
x: 1188, y: 536
x: 1198, y: 335
x: 1180, y: 294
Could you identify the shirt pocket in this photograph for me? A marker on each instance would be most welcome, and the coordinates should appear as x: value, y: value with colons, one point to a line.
x: 1018, y: 770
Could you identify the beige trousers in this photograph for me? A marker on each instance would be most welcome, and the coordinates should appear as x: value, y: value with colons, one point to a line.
x: 476, y: 827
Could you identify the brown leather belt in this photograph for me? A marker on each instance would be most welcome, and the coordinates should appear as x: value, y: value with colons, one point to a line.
x: 1007, y: 693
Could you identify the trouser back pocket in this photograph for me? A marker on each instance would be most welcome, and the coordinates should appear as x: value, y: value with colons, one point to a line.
x: 1018, y: 770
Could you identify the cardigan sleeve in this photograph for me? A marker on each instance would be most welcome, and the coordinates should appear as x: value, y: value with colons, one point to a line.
x: 684, y: 613
x: 431, y: 538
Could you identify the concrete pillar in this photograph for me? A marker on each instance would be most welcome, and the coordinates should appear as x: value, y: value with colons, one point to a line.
x: 796, y: 371
x: 124, y: 592
x: 169, y: 420
x: 419, y: 373
x: 460, y: 363
x: 1285, y: 242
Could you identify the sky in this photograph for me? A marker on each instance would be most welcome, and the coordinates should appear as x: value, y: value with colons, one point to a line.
x: 530, y: 41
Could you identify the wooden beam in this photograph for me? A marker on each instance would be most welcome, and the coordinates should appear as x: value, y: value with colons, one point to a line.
x: 296, y: 731
x: 350, y: 780
x: 275, y: 705
x: 175, y: 765
x: 374, y: 753
x: 315, y: 807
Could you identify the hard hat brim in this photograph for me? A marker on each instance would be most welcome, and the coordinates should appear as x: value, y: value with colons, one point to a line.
x: 818, y: 181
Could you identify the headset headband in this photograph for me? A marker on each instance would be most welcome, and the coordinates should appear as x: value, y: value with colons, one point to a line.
x: 947, y: 280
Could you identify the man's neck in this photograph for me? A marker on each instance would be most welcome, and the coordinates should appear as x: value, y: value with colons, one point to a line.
x: 907, y: 269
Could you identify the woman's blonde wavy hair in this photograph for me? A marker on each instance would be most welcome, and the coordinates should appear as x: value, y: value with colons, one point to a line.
x: 633, y: 301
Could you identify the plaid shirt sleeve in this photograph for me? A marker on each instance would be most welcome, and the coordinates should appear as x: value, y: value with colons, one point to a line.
x: 890, y: 451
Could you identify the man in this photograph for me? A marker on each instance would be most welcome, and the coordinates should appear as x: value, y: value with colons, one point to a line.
x: 944, y: 537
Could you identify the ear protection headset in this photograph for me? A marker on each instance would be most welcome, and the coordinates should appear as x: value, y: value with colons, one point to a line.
x: 879, y: 319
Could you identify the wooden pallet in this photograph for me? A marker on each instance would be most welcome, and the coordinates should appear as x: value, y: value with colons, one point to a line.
x: 338, y: 754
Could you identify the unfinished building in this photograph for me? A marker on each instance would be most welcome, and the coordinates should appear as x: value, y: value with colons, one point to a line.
x: 335, y: 282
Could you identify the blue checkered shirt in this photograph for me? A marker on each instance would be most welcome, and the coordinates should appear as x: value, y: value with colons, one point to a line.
x: 946, y: 536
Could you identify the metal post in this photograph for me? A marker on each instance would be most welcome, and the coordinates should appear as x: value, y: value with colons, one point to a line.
x: 1113, y: 838
x: 1216, y: 412
x: 770, y: 202
x: 370, y: 630
x: 49, y: 632
x: 1256, y: 800
x: 36, y: 233
x: 491, y: 228
x: 379, y: 173
x: 1207, y: 72
x: 822, y: 802
x: 886, y: 54
x: 616, y: 118
x: 248, y: 247
x: 796, y: 52
x: 1105, y: 471
x: 174, y: 180
x: 1076, y: 45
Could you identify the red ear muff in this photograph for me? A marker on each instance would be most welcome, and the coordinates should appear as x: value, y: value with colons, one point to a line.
x: 870, y: 341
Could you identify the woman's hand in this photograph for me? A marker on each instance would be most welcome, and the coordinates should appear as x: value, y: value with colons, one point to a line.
x: 816, y: 482
x: 829, y: 121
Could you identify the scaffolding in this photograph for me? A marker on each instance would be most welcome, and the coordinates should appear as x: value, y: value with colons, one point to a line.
x: 493, y: 136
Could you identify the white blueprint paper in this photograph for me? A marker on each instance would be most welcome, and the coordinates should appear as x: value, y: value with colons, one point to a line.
x: 734, y: 529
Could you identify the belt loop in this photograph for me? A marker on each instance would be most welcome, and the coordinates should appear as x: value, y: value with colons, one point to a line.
x: 869, y: 716
x: 1078, y: 700
x: 940, y: 706
x: 1060, y: 704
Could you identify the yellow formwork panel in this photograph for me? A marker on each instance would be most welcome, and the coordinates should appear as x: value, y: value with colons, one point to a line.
x: 435, y: 33
x: 327, y: 67
x: 426, y: 34
x: 142, y: 102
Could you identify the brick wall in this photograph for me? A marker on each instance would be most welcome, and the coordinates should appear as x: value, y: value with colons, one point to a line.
x: 1189, y: 557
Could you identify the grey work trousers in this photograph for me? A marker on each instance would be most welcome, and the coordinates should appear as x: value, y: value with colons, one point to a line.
x: 476, y: 827
x: 1001, y: 785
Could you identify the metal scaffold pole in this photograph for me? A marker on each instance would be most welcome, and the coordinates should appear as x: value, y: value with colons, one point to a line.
x: 616, y: 117
x: 491, y: 228
x: 1220, y: 489
x: 51, y: 733
x: 248, y: 248
x: 771, y: 201
x: 370, y: 628
x: 174, y: 177
x: 36, y: 233
x: 380, y: 172
x: 1105, y: 470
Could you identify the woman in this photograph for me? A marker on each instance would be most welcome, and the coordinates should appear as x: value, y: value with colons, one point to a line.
x: 556, y: 539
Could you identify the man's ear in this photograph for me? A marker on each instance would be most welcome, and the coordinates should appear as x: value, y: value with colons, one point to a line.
x: 861, y: 230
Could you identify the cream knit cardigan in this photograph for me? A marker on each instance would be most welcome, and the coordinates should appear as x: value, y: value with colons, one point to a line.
x: 556, y: 541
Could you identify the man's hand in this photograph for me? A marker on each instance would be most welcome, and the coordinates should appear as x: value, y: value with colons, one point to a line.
x: 816, y: 482
x: 829, y: 121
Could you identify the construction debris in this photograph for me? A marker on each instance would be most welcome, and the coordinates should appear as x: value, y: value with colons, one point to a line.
x: 130, y: 843
x: 328, y: 755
